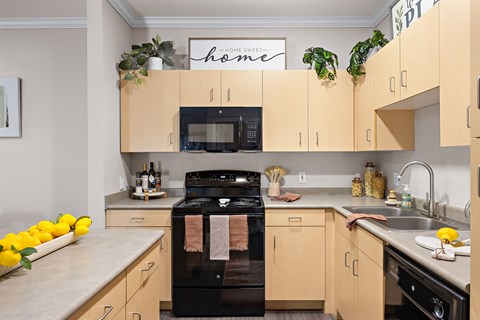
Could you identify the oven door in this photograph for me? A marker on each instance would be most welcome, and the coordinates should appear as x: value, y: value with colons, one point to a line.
x: 209, y: 129
x: 194, y: 269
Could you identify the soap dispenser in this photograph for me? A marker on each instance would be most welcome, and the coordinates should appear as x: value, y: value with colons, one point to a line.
x: 406, y: 197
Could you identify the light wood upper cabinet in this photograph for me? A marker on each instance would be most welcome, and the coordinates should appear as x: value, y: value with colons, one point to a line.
x: 365, y: 108
x: 330, y: 113
x: 285, y: 110
x: 474, y: 69
x: 242, y: 88
x: 387, y: 74
x: 295, y: 255
x: 419, y: 55
x: 200, y: 88
x: 149, y: 113
x: 395, y: 130
x: 454, y: 73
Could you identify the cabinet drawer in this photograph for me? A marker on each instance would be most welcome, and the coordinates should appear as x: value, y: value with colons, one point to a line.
x: 141, y: 269
x: 341, y: 226
x: 294, y: 218
x: 109, y: 302
x: 370, y: 245
x: 138, y: 218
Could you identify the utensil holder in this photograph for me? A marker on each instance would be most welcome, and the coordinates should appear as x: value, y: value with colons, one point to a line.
x: 273, y: 189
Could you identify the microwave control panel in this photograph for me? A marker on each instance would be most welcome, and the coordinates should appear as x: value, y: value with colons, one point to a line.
x: 251, y: 133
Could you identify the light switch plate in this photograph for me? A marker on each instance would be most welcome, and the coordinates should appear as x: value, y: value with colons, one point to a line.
x: 122, y: 183
x: 302, y: 177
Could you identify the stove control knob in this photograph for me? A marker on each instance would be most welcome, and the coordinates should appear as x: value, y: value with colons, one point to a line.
x: 249, y: 178
x: 438, y: 309
x: 256, y: 179
x: 213, y: 177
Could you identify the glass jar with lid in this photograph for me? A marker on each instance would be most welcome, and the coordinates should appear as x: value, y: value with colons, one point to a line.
x: 369, y: 175
x: 357, y: 186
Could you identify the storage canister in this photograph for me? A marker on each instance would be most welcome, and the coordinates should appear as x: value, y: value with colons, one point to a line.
x: 356, y: 187
x: 379, y: 186
x: 369, y: 174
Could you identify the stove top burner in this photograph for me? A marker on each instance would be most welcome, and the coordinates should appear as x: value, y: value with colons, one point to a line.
x: 211, y: 202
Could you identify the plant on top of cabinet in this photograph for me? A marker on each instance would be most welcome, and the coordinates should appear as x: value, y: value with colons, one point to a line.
x: 324, y: 62
x: 135, y: 61
x: 360, y: 51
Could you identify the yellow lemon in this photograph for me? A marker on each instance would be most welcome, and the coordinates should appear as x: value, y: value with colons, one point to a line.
x: 9, y: 258
x: 3, y: 244
x: 33, y: 230
x: 36, y: 241
x: 43, y: 236
x: 24, y: 234
x: 10, y: 235
x: 68, y: 218
x: 60, y: 229
x: 8, y: 242
x: 447, y: 235
x: 81, y: 230
x: 46, y: 226
x: 84, y: 222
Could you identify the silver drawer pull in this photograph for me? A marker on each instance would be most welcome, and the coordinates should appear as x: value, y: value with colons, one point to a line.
x: 392, y: 88
x: 150, y: 266
x: 296, y: 219
x: 228, y: 95
x: 355, y: 263
x: 137, y: 220
x: 347, y: 254
x: 211, y: 95
x: 136, y: 314
x: 107, y: 310
x: 403, y: 80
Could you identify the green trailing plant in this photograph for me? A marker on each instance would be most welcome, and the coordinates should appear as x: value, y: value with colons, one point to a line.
x: 135, y: 61
x: 360, y: 52
x: 324, y: 62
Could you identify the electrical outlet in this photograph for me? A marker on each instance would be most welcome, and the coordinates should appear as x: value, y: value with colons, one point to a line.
x: 302, y: 177
x: 396, y: 181
x: 122, y: 183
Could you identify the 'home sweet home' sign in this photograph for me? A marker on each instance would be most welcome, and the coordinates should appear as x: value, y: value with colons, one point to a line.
x: 237, y: 53
x: 405, y: 12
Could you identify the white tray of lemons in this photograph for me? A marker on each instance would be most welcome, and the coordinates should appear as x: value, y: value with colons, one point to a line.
x: 19, y: 250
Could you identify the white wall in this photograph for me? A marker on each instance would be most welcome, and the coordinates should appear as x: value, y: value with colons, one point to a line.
x: 44, y: 172
x: 337, y: 40
x: 451, y: 165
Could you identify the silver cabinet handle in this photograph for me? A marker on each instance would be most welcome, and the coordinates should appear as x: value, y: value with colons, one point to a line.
x: 367, y: 135
x: 355, y: 263
x: 468, y: 117
x: 300, y: 139
x: 170, y: 138
x: 317, y: 137
x: 345, y: 259
x: 228, y: 95
x: 107, y: 310
x: 274, y: 243
x: 137, y: 220
x: 149, y: 266
x: 136, y: 314
x: 211, y: 95
x: 392, y: 89
x: 297, y: 219
x: 402, y: 78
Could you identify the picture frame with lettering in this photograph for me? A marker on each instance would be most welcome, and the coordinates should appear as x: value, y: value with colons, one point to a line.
x: 10, y: 111
x: 237, y: 53
x: 405, y: 12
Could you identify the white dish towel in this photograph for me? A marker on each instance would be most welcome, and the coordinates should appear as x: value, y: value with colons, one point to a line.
x: 219, y: 238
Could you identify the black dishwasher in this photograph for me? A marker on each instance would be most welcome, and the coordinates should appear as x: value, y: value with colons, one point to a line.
x: 413, y: 293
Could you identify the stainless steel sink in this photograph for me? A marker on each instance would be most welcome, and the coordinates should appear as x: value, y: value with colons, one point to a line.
x: 385, y: 211
x: 412, y: 223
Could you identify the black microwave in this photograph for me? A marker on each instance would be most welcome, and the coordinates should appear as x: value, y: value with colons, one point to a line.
x: 220, y: 129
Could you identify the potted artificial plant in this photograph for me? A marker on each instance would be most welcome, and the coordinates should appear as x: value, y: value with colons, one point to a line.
x: 153, y: 54
x: 324, y: 62
x: 360, y: 52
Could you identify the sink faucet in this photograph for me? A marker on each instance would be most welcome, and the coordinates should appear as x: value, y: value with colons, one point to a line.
x: 429, y: 204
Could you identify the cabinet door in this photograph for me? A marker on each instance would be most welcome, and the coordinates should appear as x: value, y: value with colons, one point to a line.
x: 368, y: 288
x: 200, y: 88
x: 330, y: 113
x: 475, y: 228
x: 474, y: 69
x: 343, y: 276
x: 165, y: 268
x: 149, y: 113
x: 242, y: 88
x: 419, y: 55
x: 365, y: 109
x: 295, y: 263
x: 145, y: 303
x: 395, y: 129
x: 285, y: 110
x: 387, y: 74
x: 455, y: 73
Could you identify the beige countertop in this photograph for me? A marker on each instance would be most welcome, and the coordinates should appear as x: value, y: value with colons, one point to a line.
x: 457, y: 272
x: 61, y: 282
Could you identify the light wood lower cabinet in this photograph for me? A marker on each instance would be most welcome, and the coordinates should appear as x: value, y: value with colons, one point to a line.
x: 134, y: 294
x: 295, y: 255
x: 150, y: 219
x: 359, y: 281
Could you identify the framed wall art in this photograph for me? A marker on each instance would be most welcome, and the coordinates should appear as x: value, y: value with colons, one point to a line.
x: 406, y: 12
x: 10, y: 110
x: 237, y: 53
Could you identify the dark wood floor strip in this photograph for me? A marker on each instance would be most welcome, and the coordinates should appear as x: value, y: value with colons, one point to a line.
x: 269, y: 315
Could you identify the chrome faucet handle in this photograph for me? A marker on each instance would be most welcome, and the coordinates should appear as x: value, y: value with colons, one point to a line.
x: 426, y: 205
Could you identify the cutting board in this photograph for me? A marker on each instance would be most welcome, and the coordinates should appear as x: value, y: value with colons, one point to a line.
x: 434, y: 243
